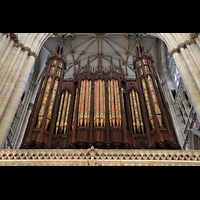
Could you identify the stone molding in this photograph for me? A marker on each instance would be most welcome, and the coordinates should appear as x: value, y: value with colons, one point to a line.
x: 98, y: 157
x: 185, y: 44
x: 14, y: 37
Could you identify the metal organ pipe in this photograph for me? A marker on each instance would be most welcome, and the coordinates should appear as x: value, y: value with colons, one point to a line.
x: 67, y: 113
x: 109, y: 102
x: 53, y: 96
x: 44, y: 101
x: 97, y: 103
x: 133, y: 115
x: 82, y: 103
x: 59, y: 113
x: 139, y: 111
x: 136, y: 111
x: 86, y: 103
x: 89, y: 103
x: 119, y: 107
x: 155, y: 101
x: 101, y: 102
x: 63, y: 111
x: 75, y: 104
x: 116, y: 103
x: 112, y: 103
x: 104, y: 108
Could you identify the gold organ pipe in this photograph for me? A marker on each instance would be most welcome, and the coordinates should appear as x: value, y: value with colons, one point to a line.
x: 155, y: 101
x: 104, y: 108
x: 97, y: 103
x: 133, y: 116
x: 89, y: 102
x: 95, y: 110
x: 147, y: 103
x: 116, y: 103
x: 101, y: 102
x: 53, y: 96
x: 109, y: 102
x: 59, y: 112
x: 82, y: 103
x: 119, y: 107
x: 40, y: 93
x: 139, y: 110
x: 74, y: 108
x: 64, y: 111
x: 86, y: 103
x: 79, y: 107
x: 67, y: 113
x: 112, y: 103
x: 42, y: 109
x: 136, y: 111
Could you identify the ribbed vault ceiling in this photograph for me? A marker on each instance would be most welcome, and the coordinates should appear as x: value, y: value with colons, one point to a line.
x: 121, y: 46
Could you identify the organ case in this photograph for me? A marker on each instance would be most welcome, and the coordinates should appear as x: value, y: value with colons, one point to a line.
x: 100, y: 107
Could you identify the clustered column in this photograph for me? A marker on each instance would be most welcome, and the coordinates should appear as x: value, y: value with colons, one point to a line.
x: 15, y: 58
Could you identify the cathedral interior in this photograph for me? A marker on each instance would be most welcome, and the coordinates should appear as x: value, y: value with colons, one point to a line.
x: 107, y: 90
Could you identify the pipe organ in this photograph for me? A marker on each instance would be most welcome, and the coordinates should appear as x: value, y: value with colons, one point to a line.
x: 100, y: 108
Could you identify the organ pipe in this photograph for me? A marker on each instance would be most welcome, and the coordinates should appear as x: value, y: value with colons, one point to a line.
x: 67, y: 113
x: 112, y: 103
x: 53, y: 96
x: 75, y: 104
x: 95, y: 109
x: 89, y: 103
x: 147, y: 103
x: 155, y: 101
x: 109, y: 102
x: 133, y: 115
x: 139, y: 111
x: 80, y: 98
x: 136, y: 111
x: 97, y: 103
x: 82, y: 103
x: 59, y: 113
x: 104, y: 108
x: 44, y: 101
x: 119, y: 107
x: 116, y: 103
x: 86, y: 102
x: 101, y: 103
x: 63, y: 111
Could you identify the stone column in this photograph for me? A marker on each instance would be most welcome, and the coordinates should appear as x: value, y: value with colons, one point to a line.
x: 188, y: 81
x: 11, y: 81
x: 191, y: 66
x: 6, y: 53
x: 3, y: 43
x: 15, y: 99
x: 7, y: 67
x: 195, y: 51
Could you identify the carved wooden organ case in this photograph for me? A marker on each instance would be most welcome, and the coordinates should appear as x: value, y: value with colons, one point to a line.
x: 100, y: 107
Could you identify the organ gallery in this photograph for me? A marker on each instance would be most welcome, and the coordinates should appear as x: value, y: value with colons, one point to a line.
x: 100, y: 107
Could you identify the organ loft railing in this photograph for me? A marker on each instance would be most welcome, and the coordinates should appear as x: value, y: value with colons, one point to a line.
x: 100, y: 108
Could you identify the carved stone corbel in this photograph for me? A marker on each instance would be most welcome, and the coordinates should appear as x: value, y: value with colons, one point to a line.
x: 14, y: 37
x: 174, y: 50
x: 31, y: 53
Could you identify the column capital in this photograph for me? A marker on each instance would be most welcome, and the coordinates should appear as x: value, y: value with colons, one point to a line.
x: 175, y: 50
x: 182, y: 45
x: 190, y: 41
x: 14, y: 37
x: 193, y: 35
x: 31, y: 53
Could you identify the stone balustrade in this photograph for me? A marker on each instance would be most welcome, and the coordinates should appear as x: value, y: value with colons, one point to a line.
x: 99, y: 157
